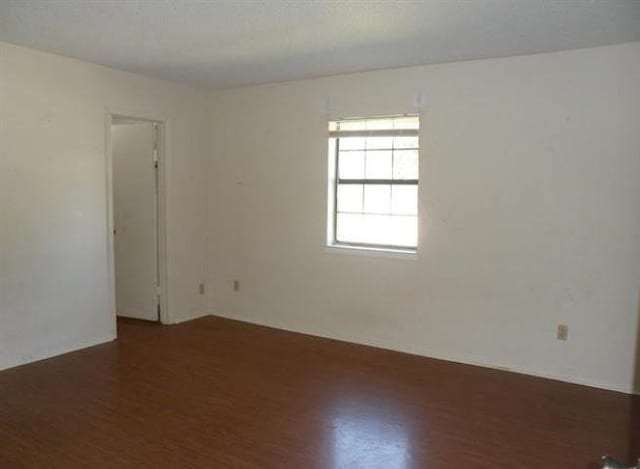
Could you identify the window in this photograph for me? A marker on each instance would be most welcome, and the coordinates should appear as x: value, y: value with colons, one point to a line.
x: 373, y: 201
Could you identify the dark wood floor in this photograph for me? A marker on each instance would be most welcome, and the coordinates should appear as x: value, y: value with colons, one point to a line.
x: 214, y: 393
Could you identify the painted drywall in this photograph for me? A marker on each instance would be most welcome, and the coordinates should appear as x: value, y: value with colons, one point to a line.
x: 529, y: 213
x: 134, y: 220
x: 53, y: 208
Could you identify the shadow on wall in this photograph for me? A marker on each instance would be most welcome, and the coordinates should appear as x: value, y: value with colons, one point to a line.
x: 634, y: 417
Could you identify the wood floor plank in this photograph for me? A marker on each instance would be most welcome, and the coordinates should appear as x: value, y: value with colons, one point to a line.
x: 216, y: 393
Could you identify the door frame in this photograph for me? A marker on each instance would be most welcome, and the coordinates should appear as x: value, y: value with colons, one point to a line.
x: 161, y: 219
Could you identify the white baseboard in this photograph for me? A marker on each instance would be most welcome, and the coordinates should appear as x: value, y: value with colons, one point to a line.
x: 177, y: 319
x: 452, y: 357
x: 616, y: 387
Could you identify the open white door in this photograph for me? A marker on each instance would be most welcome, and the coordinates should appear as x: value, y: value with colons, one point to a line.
x: 135, y: 219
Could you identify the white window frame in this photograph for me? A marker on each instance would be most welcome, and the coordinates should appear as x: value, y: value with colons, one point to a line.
x: 334, y: 181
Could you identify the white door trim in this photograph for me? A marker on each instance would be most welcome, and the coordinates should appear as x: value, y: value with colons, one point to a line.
x: 163, y: 160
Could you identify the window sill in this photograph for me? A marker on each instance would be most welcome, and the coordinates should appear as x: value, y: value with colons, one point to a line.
x: 371, y: 252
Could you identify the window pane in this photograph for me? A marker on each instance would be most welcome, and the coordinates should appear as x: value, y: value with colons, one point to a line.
x: 390, y: 230
x: 405, y: 231
x: 351, y: 165
x: 404, y: 200
x: 352, y: 143
x: 405, y: 142
x: 379, y: 142
x: 377, y: 198
x: 406, y: 122
x: 378, y: 165
x: 349, y: 228
x: 350, y: 197
x: 377, y: 229
x: 405, y: 164
x: 379, y: 124
x: 353, y: 125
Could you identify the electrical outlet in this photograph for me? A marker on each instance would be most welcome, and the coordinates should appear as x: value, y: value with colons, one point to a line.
x: 201, y: 288
x: 563, y: 332
x: 236, y: 285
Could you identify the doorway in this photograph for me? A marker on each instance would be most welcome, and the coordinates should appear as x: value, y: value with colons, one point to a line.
x: 136, y: 216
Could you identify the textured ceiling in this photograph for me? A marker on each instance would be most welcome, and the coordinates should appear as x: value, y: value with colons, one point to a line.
x: 226, y: 43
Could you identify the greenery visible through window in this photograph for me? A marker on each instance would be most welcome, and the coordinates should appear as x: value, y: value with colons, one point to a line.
x: 374, y: 196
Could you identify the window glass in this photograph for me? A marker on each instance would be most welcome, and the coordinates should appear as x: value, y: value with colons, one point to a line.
x: 374, y: 194
x: 352, y: 143
x: 378, y: 165
x: 405, y: 123
x: 404, y: 200
x: 379, y: 124
x: 377, y: 198
x: 350, y: 197
x: 405, y: 164
x: 353, y: 125
x: 405, y: 142
x: 351, y: 165
x: 376, y: 143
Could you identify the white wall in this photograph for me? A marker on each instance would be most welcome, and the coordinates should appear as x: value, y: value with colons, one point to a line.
x: 529, y: 205
x: 53, y: 245
x: 530, y: 209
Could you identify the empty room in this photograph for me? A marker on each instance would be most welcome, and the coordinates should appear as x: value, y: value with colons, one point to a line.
x: 320, y: 234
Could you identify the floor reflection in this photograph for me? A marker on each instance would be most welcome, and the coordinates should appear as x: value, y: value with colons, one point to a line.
x: 367, y: 441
